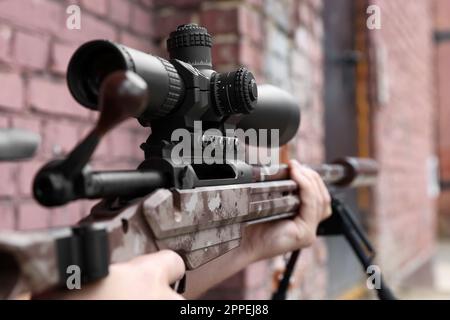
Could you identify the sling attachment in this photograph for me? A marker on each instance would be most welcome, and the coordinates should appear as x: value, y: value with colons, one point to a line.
x: 86, y: 250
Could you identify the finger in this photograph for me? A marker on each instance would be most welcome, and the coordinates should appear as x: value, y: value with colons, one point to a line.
x: 303, y: 181
x: 308, y: 192
x: 325, y: 198
x: 168, y: 261
x: 314, y: 179
x: 298, y: 169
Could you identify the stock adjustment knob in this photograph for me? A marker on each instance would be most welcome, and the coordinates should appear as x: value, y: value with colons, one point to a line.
x: 234, y: 92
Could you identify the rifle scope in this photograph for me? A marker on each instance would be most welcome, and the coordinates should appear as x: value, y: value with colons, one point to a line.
x: 185, y: 87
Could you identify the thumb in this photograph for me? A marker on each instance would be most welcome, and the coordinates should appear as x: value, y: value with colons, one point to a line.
x: 168, y: 262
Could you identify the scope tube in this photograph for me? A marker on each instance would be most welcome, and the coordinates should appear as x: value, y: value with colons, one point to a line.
x: 135, y: 183
x: 95, y: 60
x: 276, y: 109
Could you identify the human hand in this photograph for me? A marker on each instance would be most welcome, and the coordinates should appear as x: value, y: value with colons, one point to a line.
x: 146, y: 277
x: 267, y: 240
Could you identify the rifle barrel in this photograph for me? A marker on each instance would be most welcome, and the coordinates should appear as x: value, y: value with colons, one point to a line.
x: 133, y: 183
x: 347, y: 172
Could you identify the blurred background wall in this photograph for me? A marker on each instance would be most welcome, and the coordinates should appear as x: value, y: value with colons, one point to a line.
x: 403, y: 103
x: 442, y: 37
x: 378, y: 93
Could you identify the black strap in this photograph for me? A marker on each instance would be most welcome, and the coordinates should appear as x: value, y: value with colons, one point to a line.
x: 360, y: 244
x: 283, y: 286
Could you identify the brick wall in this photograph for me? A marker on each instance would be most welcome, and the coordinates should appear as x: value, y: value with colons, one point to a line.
x: 442, y: 25
x: 404, y: 217
x: 35, y: 47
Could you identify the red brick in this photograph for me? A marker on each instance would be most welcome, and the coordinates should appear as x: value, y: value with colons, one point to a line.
x: 136, y: 42
x: 59, y: 137
x: 7, y: 216
x: 250, y: 56
x: 256, y: 3
x: 6, y: 34
x: 404, y: 208
x: 123, y: 145
x: 53, y: 97
x: 91, y: 28
x: 442, y: 9
x: 45, y: 15
x: 178, y: 3
x: 61, y: 54
x: 250, y: 24
x: 444, y: 208
x: 33, y: 216
x: 225, y: 53
x: 8, y: 178
x: 27, y: 171
x: 169, y: 21
x: 4, y: 121
x: 12, y: 90
x: 29, y: 123
x: 31, y: 51
x: 443, y: 61
x: 219, y: 21
x: 99, y: 7
x: 120, y: 12
x: 445, y: 167
x: 66, y: 215
x: 114, y: 164
x: 141, y: 20
x: 147, y: 3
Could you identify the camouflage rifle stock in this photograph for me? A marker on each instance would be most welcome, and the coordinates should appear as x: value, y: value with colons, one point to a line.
x: 200, y: 224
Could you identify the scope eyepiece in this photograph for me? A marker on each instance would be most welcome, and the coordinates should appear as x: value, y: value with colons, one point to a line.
x: 89, y: 66
x: 97, y: 59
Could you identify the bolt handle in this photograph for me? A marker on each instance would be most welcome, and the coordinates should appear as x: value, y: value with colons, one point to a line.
x: 123, y: 95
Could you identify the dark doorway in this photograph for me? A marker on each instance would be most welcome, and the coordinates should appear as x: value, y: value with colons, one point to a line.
x: 341, y: 133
